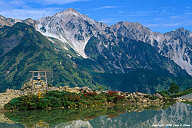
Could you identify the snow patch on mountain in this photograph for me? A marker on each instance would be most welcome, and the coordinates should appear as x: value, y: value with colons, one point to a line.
x: 76, y: 29
x: 70, y: 27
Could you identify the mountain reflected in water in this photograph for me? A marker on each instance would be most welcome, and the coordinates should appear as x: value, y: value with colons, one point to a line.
x: 177, y: 114
x: 117, y: 117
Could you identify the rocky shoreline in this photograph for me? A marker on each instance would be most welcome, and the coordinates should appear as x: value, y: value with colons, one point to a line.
x: 135, y: 98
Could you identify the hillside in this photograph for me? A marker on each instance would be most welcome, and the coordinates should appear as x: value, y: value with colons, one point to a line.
x: 79, y: 51
x: 32, y: 51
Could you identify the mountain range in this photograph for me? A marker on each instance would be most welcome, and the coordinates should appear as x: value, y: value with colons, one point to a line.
x: 125, y: 56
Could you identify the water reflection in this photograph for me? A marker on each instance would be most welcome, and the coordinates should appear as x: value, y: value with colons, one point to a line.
x: 178, y: 114
x: 117, y: 117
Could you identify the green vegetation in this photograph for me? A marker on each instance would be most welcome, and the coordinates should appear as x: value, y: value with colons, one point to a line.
x: 64, y: 99
x: 173, y: 91
x: 173, y: 88
x: 35, y: 52
x: 188, y: 102
x: 141, y: 80
x: 182, y: 93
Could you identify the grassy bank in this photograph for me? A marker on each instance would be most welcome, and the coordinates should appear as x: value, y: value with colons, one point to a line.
x: 64, y: 99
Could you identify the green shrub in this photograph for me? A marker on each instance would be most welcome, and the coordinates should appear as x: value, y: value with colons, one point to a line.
x: 65, y: 103
x: 182, y: 93
x: 111, y: 93
x: 100, y: 98
x: 54, y: 102
x: 173, y: 88
x: 74, y: 97
x: 119, y: 98
x: 27, y: 102
x: 153, y: 97
x: 90, y: 94
x: 54, y: 93
x: 164, y: 93
x: 43, y: 103
x: 13, y: 104
x: 147, y: 96
x: 109, y: 99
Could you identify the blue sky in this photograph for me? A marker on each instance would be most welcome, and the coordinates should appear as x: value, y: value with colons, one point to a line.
x: 158, y: 15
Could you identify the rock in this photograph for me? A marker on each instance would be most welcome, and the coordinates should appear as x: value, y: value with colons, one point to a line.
x: 158, y: 95
x: 119, y: 93
x: 144, y: 101
x: 76, y: 88
x: 98, y: 92
x: 103, y: 92
x: 66, y: 87
x: 85, y: 88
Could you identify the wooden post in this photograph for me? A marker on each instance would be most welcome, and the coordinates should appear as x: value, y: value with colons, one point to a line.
x: 46, y: 81
x: 32, y: 82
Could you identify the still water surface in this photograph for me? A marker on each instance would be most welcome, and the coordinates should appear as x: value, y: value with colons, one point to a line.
x: 178, y: 115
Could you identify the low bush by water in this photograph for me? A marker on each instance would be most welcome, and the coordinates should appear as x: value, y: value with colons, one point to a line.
x: 63, y: 99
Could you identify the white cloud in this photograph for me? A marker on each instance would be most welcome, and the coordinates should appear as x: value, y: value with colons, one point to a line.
x: 170, y: 24
x: 57, y: 2
x: 22, y: 9
x: 109, y: 21
x: 122, y: 12
x: 10, y: 4
x: 158, y: 19
x: 163, y: 25
x: 188, y: 13
x: 16, y: 2
x: 46, y: 2
x: 140, y: 13
x: 176, y: 17
x: 106, y: 7
x: 29, y: 13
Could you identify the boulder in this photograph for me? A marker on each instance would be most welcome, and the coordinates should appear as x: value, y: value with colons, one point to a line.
x: 158, y: 95
x: 98, y: 92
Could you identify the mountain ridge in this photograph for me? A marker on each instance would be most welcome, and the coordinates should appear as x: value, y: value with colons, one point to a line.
x: 91, y: 47
x: 162, y: 42
x: 35, y: 52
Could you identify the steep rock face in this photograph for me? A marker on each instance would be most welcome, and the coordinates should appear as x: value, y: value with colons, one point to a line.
x: 134, y: 31
x: 70, y: 27
x: 120, y: 54
x: 76, y: 29
x: 176, y: 45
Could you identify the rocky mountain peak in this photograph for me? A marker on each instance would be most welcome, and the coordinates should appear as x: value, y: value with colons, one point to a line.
x: 130, y: 30
x: 68, y: 13
x: 182, y: 34
x: 70, y: 10
x: 76, y: 29
x: 129, y: 25
x: 180, y: 31
x: 70, y: 27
